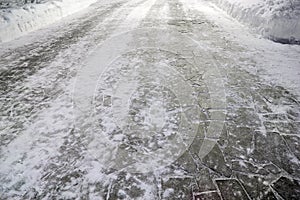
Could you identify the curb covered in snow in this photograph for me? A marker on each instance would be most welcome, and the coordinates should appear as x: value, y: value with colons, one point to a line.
x: 274, y: 19
x: 19, y: 21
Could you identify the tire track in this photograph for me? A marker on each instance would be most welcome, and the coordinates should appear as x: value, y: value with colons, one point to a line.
x: 62, y: 86
x: 59, y: 167
x: 47, y: 79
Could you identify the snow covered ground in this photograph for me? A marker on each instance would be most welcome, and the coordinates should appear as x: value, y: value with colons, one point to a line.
x: 274, y: 19
x: 19, y: 19
x: 197, y: 105
x: 278, y: 20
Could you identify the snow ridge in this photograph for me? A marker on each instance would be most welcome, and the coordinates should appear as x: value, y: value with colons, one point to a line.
x: 274, y: 19
x: 16, y: 22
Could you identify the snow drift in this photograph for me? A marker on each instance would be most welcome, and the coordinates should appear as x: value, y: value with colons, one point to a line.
x: 278, y: 20
x: 15, y: 22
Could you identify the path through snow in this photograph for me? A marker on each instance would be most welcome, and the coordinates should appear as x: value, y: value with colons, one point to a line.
x: 148, y: 99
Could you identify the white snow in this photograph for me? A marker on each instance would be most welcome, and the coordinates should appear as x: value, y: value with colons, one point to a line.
x: 276, y: 63
x: 16, y: 22
x: 40, y: 141
x: 274, y: 19
x: 278, y: 20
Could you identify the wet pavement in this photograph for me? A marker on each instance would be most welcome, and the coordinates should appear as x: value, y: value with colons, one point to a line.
x: 144, y: 99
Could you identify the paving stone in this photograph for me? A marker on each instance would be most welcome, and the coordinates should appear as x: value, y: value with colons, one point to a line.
x: 240, y: 142
x: 260, y: 104
x: 231, y: 189
x: 275, y: 117
x: 270, y: 126
x: 293, y: 142
x: 287, y: 188
x: 244, y: 166
x: 271, y: 147
x: 255, y: 185
x: 269, y: 196
x: 277, y: 95
x: 261, y: 169
x: 215, y: 161
x: 197, y: 142
x: 293, y: 114
x: 270, y: 168
x: 244, y: 117
x: 217, y: 114
x: 177, y: 188
x: 288, y: 127
x: 204, y: 178
x: 187, y: 162
x: 223, y: 139
x: 129, y: 186
x: 212, y: 195
x: 238, y: 97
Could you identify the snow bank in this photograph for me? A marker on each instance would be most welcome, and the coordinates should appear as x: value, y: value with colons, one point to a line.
x: 18, y: 21
x: 278, y: 20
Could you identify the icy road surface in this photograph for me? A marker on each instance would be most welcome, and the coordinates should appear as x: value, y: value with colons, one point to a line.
x: 149, y: 99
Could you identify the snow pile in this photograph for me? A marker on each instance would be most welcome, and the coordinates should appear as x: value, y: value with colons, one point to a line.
x: 18, y: 3
x: 15, y: 22
x: 278, y: 20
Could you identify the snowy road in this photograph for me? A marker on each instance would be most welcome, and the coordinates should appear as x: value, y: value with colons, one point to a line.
x: 149, y: 99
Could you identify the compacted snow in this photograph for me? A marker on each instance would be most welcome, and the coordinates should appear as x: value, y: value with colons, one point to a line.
x: 275, y: 19
x: 20, y: 19
x: 278, y: 20
x: 149, y: 99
